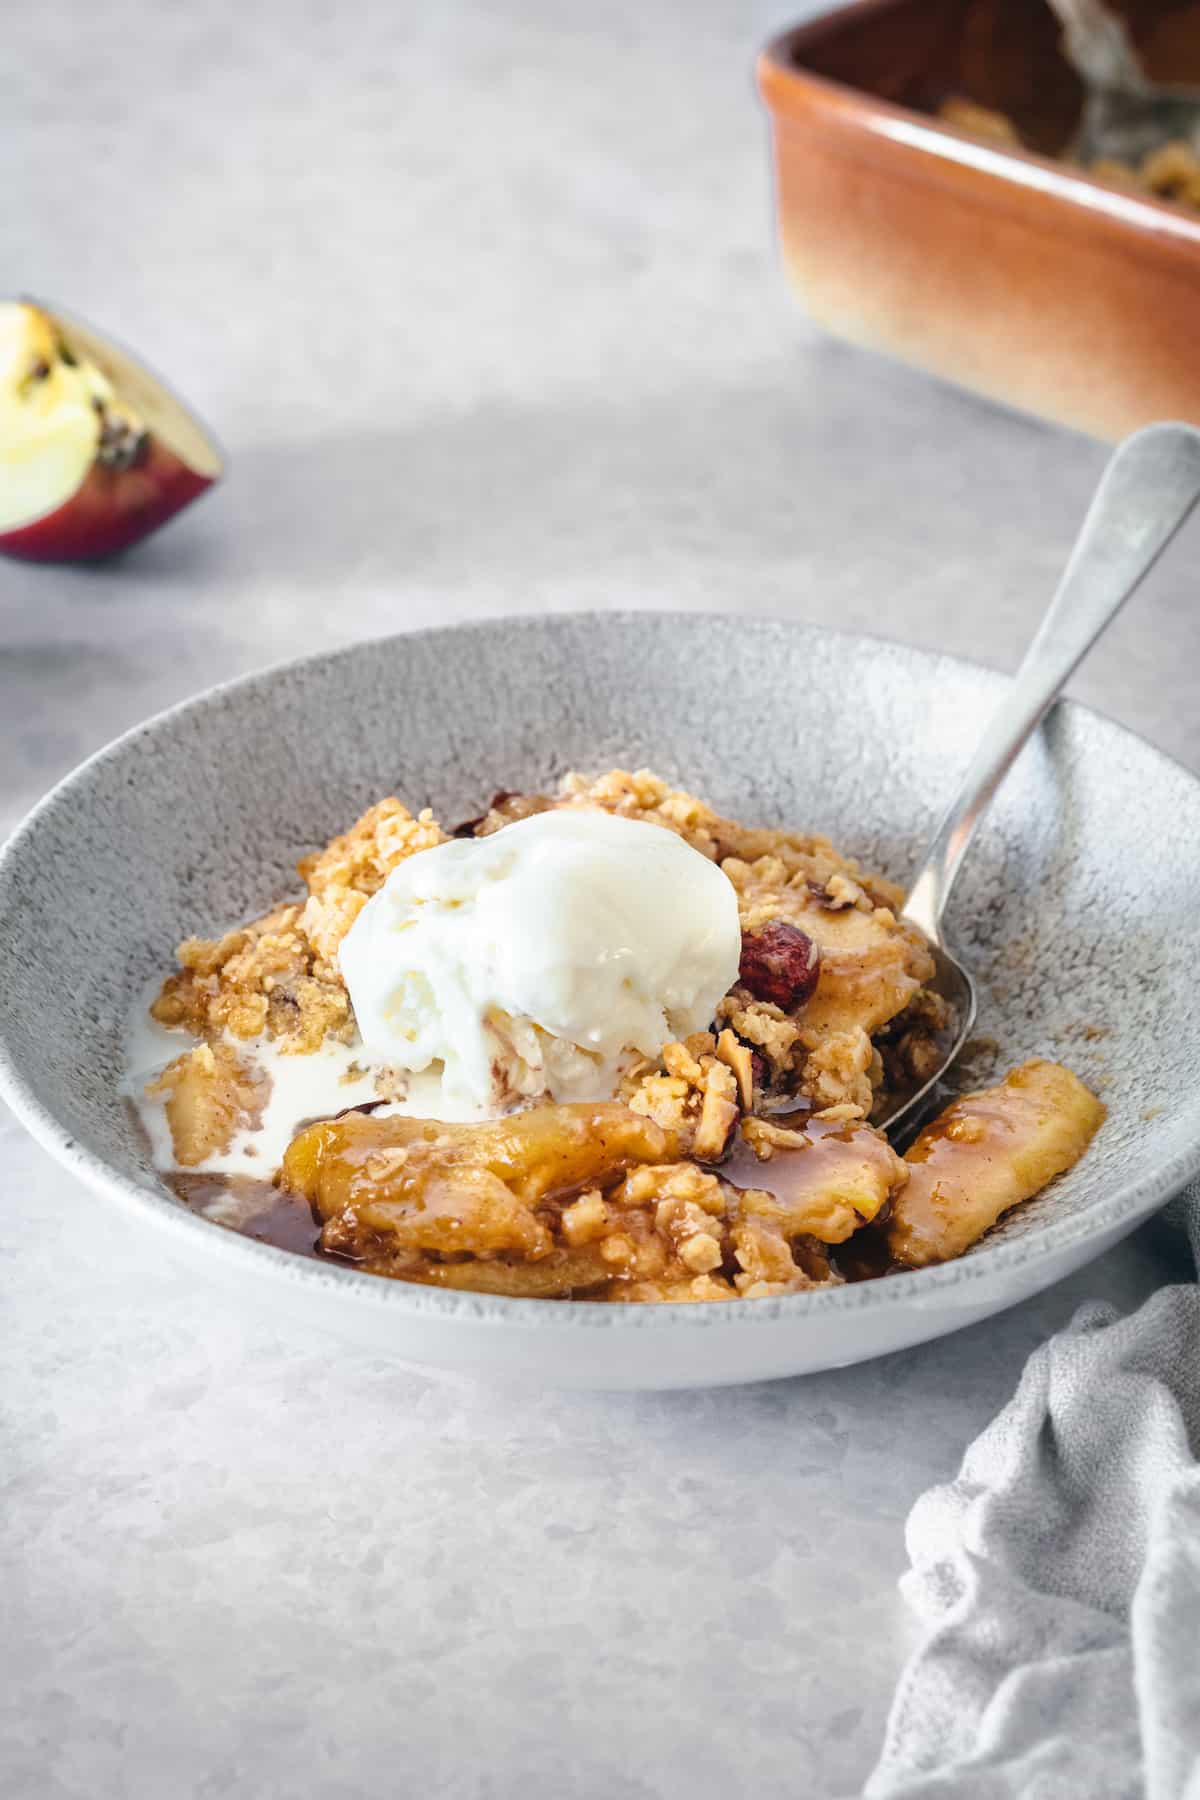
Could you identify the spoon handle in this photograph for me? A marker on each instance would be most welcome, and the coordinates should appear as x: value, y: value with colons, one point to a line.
x: 1097, y: 43
x: 1147, y: 491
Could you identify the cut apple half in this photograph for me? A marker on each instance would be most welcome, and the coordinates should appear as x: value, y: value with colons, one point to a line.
x: 95, y: 453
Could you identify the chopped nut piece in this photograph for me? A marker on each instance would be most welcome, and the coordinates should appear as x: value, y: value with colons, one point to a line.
x: 701, y: 1253
x: 764, y: 1255
x: 718, y: 1113
x: 587, y: 1220
x: 679, y: 1061
x: 738, y: 1057
x: 677, y: 1183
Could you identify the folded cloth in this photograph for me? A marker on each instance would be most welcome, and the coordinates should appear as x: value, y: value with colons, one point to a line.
x: 1060, y: 1576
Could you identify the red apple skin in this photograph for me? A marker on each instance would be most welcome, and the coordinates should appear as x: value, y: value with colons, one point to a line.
x: 111, y: 509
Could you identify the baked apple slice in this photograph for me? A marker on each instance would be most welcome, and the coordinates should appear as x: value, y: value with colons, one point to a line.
x: 94, y: 452
x: 988, y: 1152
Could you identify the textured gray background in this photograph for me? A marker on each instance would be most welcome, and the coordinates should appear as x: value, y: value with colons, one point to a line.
x: 483, y: 302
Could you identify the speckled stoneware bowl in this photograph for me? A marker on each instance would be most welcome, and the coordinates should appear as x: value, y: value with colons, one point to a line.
x: 1078, y: 912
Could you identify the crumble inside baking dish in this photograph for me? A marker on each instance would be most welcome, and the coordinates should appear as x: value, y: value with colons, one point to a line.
x: 1170, y: 171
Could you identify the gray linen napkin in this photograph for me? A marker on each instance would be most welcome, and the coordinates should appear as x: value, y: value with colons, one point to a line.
x: 1059, y: 1575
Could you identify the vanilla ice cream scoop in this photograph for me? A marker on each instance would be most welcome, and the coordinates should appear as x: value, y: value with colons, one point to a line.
x: 540, y: 959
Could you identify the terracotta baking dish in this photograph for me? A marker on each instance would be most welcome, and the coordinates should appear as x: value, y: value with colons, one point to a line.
x: 1001, y: 269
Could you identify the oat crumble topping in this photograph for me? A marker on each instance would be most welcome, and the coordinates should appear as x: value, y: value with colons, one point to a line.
x: 731, y: 1166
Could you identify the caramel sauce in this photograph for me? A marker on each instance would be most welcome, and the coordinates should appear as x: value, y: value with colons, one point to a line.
x: 863, y: 1257
x: 824, y: 1186
x: 256, y: 1209
x: 781, y: 1174
x: 270, y: 1214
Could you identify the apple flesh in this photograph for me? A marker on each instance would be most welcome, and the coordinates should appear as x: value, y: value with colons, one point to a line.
x: 94, y: 452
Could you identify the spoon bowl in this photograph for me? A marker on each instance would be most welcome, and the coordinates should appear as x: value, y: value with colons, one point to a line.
x: 909, y: 1109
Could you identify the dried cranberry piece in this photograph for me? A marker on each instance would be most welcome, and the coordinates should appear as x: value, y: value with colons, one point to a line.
x: 780, y: 963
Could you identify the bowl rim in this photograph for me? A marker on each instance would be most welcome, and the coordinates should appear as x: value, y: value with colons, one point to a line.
x: 153, y: 1204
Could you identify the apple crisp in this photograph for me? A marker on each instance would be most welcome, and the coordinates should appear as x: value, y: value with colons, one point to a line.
x: 1170, y: 171
x: 739, y: 1161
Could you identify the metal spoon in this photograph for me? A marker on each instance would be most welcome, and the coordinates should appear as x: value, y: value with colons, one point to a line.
x: 1147, y: 491
x: 1126, y: 116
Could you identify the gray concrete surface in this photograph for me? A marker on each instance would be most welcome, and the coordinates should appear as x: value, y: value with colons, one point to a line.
x: 483, y: 302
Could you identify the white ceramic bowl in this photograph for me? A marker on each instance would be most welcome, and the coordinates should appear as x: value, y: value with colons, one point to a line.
x: 1078, y: 913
